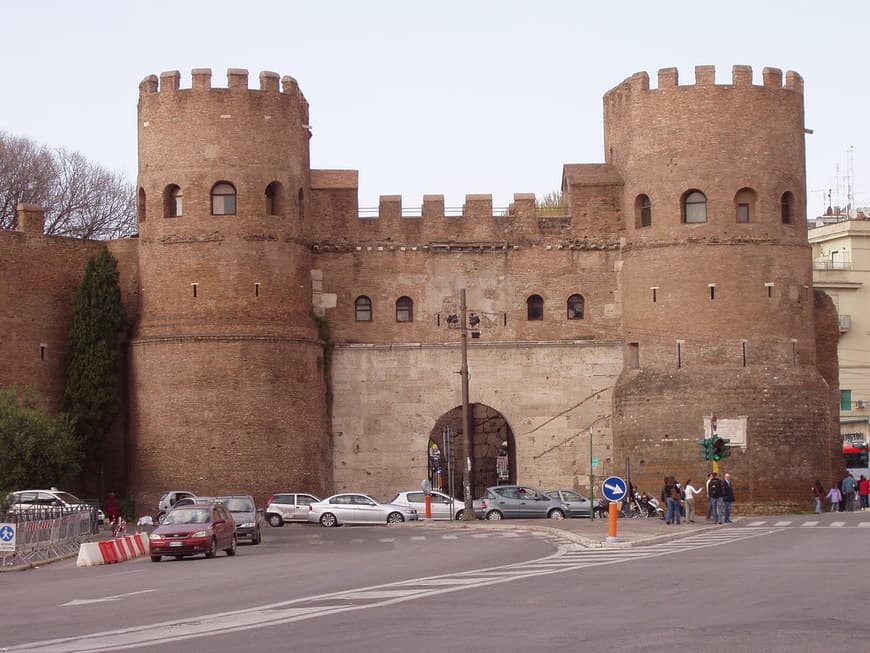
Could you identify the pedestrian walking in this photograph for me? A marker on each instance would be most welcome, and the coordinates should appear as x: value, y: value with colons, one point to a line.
x: 690, y: 491
x: 715, y: 492
x: 727, y: 497
x: 671, y: 495
x: 835, y: 496
x: 864, y: 492
x: 709, y: 503
x: 848, y: 487
x: 818, y: 495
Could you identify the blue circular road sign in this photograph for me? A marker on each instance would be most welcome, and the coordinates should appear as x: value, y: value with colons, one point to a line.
x: 613, y: 488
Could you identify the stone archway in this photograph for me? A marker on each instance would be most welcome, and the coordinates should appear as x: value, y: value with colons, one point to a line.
x: 493, y: 449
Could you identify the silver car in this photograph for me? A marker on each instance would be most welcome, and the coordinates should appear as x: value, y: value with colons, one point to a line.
x: 518, y: 502
x: 283, y: 507
x: 443, y: 507
x: 578, y: 505
x: 358, y: 509
x: 249, y: 519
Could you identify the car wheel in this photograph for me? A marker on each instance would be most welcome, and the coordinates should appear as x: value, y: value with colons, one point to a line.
x: 156, y: 558
x: 494, y: 515
x: 395, y: 518
x: 257, y: 537
x: 232, y: 550
x: 275, y: 520
x: 556, y: 514
x: 328, y: 520
x: 160, y: 516
x: 212, y: 549
x: 460, y: 515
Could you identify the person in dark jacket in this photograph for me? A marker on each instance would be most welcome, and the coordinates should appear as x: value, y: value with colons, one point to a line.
x: 715, y: 492
x: 671, y: 495
x: 727, y: 497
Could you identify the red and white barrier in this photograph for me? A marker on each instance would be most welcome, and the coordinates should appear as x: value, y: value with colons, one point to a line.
x: 118, y: 549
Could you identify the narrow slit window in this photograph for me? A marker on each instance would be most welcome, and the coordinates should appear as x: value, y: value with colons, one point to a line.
x: 743, y: 347
x: 769, y: 287
x: 679, y: 353
x: 712, y: 291
x: 655, y: 294
x: 195, y: 288
x: 42, y: 349
x: 794, y: 353
x: 256, y: 290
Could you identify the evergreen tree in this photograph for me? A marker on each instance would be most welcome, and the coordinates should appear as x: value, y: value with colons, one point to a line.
x: 92, y: 399
x: 36, y: 449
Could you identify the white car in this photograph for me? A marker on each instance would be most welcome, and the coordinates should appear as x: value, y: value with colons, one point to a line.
x: 357, y: 509
x: 443, y: 507
x: 50, y: 499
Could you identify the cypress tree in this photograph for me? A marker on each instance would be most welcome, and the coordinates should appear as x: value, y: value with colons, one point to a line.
x: 92, y: 399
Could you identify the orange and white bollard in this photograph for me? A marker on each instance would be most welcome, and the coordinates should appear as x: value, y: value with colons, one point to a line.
x: 612, y: 516
x: 428, y: 506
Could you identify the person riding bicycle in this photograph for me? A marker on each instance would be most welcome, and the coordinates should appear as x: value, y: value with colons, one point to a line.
x: 113, y: 512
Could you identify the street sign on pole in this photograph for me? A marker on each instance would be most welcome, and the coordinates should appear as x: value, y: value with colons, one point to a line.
x: 614, y: 488
x: 7, y: 537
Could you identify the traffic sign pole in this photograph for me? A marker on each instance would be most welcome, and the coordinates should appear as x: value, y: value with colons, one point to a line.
x: 613, y: 489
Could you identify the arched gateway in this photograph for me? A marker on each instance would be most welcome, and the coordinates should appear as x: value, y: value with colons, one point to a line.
x: 494, y: 459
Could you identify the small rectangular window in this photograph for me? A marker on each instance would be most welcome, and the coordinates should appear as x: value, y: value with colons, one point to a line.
x: 42, y: 349
x: 742, y: 213
x: 769, y: 287
x: 845, y: 400
x: 256, y: 290
x: 712, y: 291
x: 194, y: 287
x: 633, y: 356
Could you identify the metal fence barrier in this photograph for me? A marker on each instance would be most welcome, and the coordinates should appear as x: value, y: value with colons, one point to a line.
x: 45, y: 533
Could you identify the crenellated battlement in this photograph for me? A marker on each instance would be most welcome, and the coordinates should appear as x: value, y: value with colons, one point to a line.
x: 705, y: 77
x: 201, y: 80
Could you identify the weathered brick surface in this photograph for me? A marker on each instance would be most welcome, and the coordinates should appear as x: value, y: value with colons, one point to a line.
x: 226, y: 389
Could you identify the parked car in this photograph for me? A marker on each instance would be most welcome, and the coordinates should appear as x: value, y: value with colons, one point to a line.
x: 35, y: 500
x: 518, y: 502
x: 283, y: 507
x: 358, y: 509
x: 189, y: 501
x: 194, y: 529
x: 168, y: 501
x: 578, y: 505
x: 249, y: 519
x: 443, y: 507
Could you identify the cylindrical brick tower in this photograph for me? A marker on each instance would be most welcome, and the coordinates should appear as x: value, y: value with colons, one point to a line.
x: 227, y: 388
x: 717, y: 283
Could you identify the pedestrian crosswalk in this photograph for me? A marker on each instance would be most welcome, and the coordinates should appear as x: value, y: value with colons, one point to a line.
x: 805, y: 523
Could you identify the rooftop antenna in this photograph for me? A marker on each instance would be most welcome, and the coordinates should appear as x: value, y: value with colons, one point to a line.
x: 850, y: 172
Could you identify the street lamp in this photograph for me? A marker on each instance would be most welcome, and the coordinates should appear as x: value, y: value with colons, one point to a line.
x: 463, y: 321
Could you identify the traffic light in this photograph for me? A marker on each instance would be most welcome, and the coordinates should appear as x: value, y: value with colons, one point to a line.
x: 721, y: 448
x: 707, y: 443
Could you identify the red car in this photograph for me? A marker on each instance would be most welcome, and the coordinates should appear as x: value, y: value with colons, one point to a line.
x: 193, y: 529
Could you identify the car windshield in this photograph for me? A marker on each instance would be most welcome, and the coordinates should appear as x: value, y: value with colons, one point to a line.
x: 238, y: 505
x: 200, y: 516
x: 66, y: 497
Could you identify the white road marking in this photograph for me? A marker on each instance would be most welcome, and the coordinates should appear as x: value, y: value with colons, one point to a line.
x: 170, y: 632
x: 780, y: 524
x: 810, y: 523
x: 449, y: 537
x: 418, y: 538
x: 864, y: 524
x: 837, y: 524
x: 116, y: 597
x: 387, y: 539
x: 756, y: 523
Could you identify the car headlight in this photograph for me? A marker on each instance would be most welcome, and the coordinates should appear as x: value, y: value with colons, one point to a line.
x: 155, y: 536
x: 200, y: 534
x: 248, y: 524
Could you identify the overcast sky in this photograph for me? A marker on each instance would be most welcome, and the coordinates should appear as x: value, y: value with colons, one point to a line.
x: 444, y: 97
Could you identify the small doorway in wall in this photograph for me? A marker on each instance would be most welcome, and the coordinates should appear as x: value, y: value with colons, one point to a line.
x: 493, y: 451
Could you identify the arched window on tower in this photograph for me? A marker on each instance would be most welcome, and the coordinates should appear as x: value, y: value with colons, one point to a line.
x: 642, y: 211
x: 744, y: 205
x: 404, y: 309
x: 535, y: 308
x: 172, y: 201
x: 787, y: 203
x: 576, y: 305
x: 223, y: 199
x: 140, y: 204
x: 694, y: 207
x: 363, y: 309
x: 275, y: 199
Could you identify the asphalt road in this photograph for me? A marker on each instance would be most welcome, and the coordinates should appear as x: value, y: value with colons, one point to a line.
x: 768, y: 584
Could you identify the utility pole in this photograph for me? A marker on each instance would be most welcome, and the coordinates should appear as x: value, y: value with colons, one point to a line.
x: 468, y: 512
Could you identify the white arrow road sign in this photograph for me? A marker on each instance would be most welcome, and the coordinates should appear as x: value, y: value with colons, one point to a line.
x: 116, y: 597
